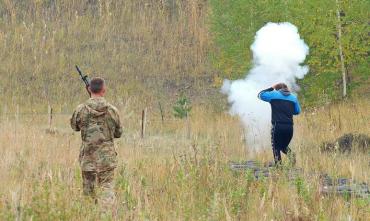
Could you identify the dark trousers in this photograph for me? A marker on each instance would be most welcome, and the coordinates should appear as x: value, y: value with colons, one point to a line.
x: 281, y: 135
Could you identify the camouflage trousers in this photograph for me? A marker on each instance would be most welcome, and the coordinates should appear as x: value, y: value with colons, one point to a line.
x: 104, y: 180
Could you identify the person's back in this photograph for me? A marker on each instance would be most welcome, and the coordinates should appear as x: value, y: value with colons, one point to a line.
x: 99, y: 124
x: 283, y: 106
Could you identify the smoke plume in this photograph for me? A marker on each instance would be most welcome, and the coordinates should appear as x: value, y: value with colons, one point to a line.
x: 278, y: 52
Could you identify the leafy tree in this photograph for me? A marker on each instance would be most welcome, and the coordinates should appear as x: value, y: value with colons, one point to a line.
x: 235, y: 22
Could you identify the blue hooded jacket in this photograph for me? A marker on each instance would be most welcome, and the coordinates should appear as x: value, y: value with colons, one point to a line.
x: 283, y: 105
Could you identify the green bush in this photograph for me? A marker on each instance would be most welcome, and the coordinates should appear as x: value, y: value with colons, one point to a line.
x: 182, y: 107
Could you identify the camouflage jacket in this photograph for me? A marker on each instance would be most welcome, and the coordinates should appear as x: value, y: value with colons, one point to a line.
x: 99, y: 124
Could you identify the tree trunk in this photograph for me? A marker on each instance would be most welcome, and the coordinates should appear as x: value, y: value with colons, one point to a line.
x: 339, y: 30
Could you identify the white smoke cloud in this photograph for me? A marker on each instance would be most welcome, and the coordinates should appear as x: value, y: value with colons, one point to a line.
x: 278, y: 52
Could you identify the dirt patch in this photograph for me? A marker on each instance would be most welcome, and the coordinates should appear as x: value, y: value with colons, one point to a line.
x: 348, y: 143
x: 328, y: 185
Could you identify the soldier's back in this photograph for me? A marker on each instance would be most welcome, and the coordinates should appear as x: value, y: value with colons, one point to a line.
x: 99, y: 124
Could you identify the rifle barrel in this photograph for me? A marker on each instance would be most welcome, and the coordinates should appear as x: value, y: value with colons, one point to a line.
x: 84, y: 78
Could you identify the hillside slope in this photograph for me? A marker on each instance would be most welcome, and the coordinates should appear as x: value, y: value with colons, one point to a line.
x: 151, y: 51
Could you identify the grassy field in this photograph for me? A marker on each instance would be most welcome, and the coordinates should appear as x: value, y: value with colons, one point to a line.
x: 167, y: 176
x: 146, y: 50
x: 150, y: 52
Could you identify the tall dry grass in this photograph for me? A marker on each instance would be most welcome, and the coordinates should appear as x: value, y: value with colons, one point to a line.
x: 169, y: 177
x: 148, y: 50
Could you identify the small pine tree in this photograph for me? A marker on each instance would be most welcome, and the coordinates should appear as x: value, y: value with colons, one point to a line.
x: 182, y: 107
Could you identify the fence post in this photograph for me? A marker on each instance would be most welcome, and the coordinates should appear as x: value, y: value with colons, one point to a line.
x: 5, y: 113
x: 161, y: 110
x: 50, y: 114
x: 188, y: 127
x: 143, y: 123
x: 17, y: 114
x: 16, y: 119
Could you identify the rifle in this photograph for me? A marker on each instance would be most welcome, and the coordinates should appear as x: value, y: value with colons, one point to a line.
x: 85, y: 79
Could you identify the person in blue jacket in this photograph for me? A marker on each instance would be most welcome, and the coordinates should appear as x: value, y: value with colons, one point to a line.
x: 283, y: 106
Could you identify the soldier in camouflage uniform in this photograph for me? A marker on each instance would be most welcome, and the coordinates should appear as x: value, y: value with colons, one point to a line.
x: 99, y: 124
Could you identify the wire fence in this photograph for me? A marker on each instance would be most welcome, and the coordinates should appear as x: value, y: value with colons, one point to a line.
x: 150, y: 118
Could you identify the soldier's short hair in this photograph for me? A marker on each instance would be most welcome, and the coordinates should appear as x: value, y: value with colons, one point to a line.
x: 96, y: 85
